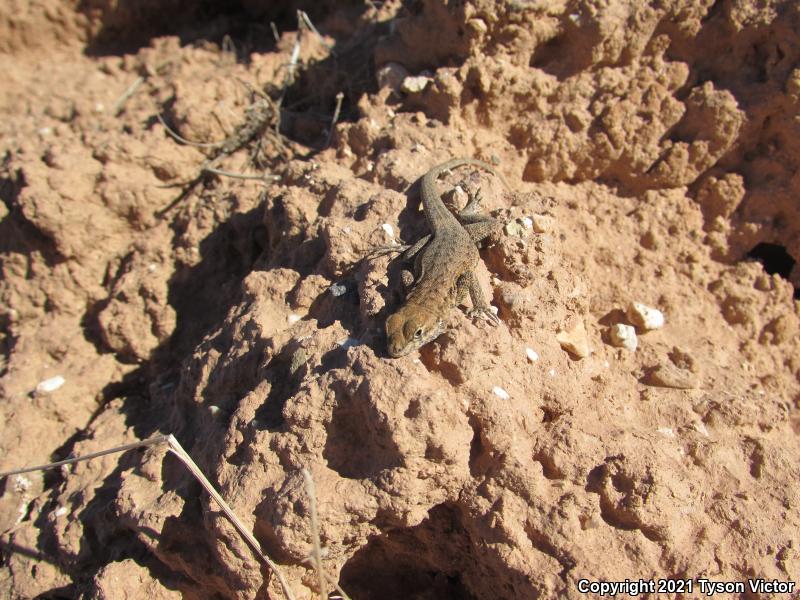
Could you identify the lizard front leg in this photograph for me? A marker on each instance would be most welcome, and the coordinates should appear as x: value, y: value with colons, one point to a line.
x: 468, y: 284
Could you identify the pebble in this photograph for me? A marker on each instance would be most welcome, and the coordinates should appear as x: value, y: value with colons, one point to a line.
x: 542, y: 223
x: 415, y: 84
x: 293, y: 318
x: 644, y: 316
x: 514, y: 228
x: 337, y: 289
x: 347, y: 342
x: 500, y: 393
x: 623, y: 336
x: 50, y: 385
x: 527, y: 222
x: 388, y: 229
x: 669, y: 376
x: 574, y: 339
x: 532, y: 355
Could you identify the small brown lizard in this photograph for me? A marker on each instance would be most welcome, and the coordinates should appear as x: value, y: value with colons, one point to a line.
x: 444, y: 266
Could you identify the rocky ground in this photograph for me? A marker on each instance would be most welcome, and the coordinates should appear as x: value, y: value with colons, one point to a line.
x: 652, y: 152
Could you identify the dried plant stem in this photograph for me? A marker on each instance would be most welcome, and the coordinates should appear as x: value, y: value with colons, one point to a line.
x: 120, y: 103
x: 183, y: 456
x: 336, y: 112
x: 183, y: 140
x: 316, y: 552
x: 266, y: 177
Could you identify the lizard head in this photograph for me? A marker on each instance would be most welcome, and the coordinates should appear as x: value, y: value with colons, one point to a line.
x: 410, y: 328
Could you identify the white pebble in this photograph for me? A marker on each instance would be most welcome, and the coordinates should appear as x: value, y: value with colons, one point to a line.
x: 527, y: 222
x: 644, y: 316
x: 552, y: 372
x: 60, y: 511
x: 388, y: 229
x: 337, y: 289
x: 623, y: 336
x: 152, y: 267
x: 500, y: 393
x: 494, y: 309
x: 415, y: 84
x: 347, y: 342
x: 532, y: 355
x: 213, y: 409
x: 50, y: 385
x: 293, y: 318
x: 22, y: 484
x: 700, y: 427
x: 542, y: 223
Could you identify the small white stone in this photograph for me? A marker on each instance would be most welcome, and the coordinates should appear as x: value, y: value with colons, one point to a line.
x: 574, y: 339
x: 552, y: 372
x: 99, y: 107
x: 645, y: 316
x: 527, y: 222
x: 494, y: 309
x: 337, y: 289
x: 22, y: 484
x: 60, y: 511
x: 293, y: 318
x: 623, y: 336
x: 478, y: 25
x: 152, y: 267
x: 500, y: 393
x: 666, y: 431
x: 213, y: 409
x: 415, y: 84
x: 347, y: 230
x: 347, y: 342
x: 532, y: 355
x: 388, y: 229
x: 45, y: 131
x: 542, y: 223
x: 515, y: 228
x: 50, y: 385
x: 700, y: 428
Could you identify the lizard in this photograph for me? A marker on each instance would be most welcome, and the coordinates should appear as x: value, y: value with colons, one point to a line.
x: 444, y: 266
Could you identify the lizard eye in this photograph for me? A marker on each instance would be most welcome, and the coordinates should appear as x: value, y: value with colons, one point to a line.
x: 418, y: 333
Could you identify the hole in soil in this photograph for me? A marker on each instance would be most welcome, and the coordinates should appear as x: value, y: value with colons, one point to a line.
x: 419, y: 562
x: 775, y: 259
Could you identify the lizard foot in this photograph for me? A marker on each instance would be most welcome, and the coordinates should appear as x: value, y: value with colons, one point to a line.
x: 486, y: 314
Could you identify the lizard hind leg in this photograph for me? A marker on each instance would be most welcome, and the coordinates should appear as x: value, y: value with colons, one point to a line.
x: 473, y: 207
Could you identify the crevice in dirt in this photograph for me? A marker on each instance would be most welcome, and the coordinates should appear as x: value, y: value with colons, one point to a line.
x: 203, y: 293
x: 544, y: 545
x: 17, y: 234
x: 427, y: 562
x: 359, y: 443
x: 775, y: 259
x: 125, y: 27
x: 549, y: 468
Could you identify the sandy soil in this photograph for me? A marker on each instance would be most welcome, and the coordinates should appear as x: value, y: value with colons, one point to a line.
x: 652, y: 151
